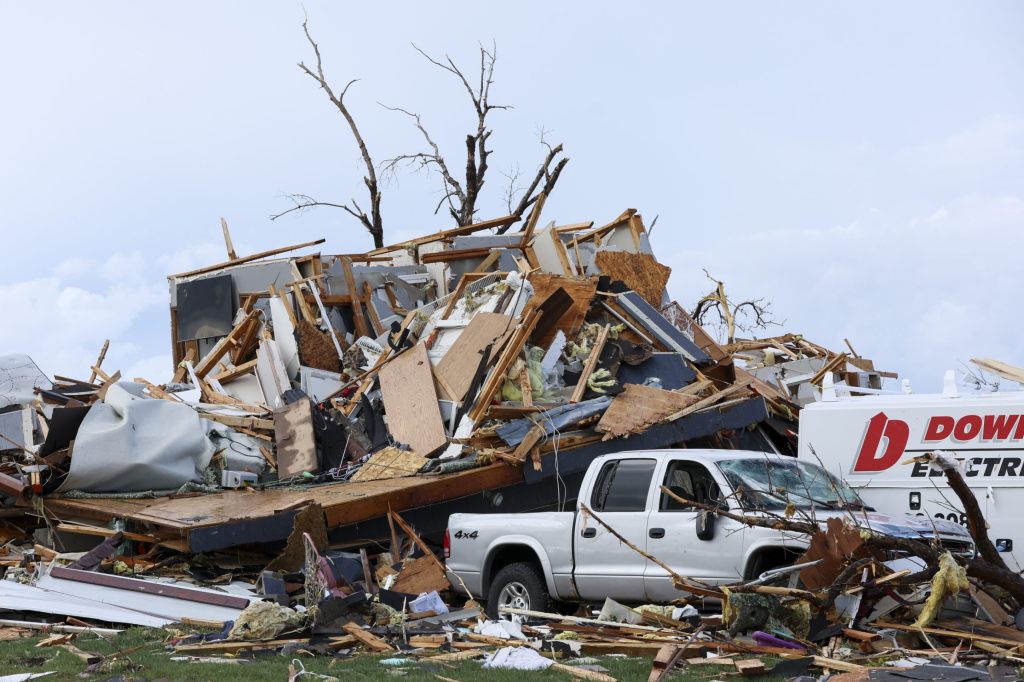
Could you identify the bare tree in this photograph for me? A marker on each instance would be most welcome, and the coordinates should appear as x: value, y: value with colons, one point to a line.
x: 461, y: 196
x: 745, y: 316
x: 372, y: 221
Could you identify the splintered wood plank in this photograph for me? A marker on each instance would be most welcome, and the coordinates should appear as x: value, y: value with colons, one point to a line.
x: 367, y: 638
x: 581, y: 290
x: 410, y: 401
x: 508, y: 356
x: 247, y: 259
x: 592, y: 360
x: 353, y: 295
x: 459, y: 364
x: 640, y: 407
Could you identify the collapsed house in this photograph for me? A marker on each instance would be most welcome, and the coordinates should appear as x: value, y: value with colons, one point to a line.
x: 327, y: 412
x: 458, y: 370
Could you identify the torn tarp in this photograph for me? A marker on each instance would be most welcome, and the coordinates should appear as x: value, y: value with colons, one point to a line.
x: 128, y: 443
x: 553, y: 420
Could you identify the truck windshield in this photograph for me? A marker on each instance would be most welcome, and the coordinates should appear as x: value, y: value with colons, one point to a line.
x: 770, y: 483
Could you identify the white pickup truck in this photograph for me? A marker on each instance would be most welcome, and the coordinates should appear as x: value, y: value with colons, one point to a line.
x: 529, y: 560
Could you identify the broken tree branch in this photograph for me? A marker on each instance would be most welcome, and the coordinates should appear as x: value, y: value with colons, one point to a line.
x: 371, y: 222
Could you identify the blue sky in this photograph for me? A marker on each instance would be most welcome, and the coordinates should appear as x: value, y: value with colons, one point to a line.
x: 861, y: 164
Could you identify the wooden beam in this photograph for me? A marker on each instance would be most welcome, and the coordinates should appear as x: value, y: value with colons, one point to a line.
x: 99, y: 361
x: 223, y: 346
x: 235, y: 372
x: 574, y: 227
x: 303, y: 304
x: 455, y: 254
x: 592, y: 360
x: 180, y: 371
x: 353, y: 293
x: 247, y: 259
x: 493, y: 381
x: 531, y: 223
x: 232, y: 256
x: 445, y: 234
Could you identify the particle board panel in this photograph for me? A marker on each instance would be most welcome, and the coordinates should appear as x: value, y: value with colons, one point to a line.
x: 458, y: 366
x: 638, y: 271
x: 640, y: 407
x: 410, y: 401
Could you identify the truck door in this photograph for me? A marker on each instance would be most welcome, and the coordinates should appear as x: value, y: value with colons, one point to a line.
x: 672, y: 534
x: 604, y: 566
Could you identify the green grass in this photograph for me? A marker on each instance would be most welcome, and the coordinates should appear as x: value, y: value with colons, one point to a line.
x: 145, y: 657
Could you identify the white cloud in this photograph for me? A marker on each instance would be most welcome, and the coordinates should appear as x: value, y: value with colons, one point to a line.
x: 919, y: 295
x: 62, y: 319
x: 984, y: 151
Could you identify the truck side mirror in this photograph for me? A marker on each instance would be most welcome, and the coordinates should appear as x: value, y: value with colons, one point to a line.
x: 705, y: 525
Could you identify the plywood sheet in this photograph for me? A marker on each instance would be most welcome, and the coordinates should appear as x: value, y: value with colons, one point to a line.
x: 638, y: 271
x: 640, y: 407
x: 581, y: 289
x: 457, y: 367
x: 410, y: 401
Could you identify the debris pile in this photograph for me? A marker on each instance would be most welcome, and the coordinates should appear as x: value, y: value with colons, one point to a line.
x: 288, y: 487
x: 450, y: 365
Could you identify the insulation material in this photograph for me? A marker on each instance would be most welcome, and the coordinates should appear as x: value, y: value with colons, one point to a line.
x: 128, y: 443
x: 264, y: 620
x: 950, y: 579
x: 638, y: 271
x: 410, y: 401
x: 316, y: 349
x: 640, y: 407
x: 390, y: 463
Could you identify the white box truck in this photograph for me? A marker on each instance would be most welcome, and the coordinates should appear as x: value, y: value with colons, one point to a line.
x: 865, y: 440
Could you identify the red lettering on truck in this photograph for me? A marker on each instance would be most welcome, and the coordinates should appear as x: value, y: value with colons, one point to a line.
x: 894, y: 431
x: 939, y: 428
x: 998, y: 426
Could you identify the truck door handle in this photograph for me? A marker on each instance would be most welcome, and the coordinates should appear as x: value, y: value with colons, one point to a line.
x: 589, y: 532
x: 656, y: 533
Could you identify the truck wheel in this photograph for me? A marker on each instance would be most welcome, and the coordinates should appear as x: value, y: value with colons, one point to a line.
x: 520, y: 586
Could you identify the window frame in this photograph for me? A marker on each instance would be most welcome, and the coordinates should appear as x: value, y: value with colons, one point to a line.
x: 605, y: 481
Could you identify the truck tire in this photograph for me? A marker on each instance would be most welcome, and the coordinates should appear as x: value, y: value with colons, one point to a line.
x: 519, y: 585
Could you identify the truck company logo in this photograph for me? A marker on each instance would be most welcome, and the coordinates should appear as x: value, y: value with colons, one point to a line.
x: 885, y: 441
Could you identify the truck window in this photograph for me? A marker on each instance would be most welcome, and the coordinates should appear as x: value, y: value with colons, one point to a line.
x: 691, y: 481
x: 623, y: 485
